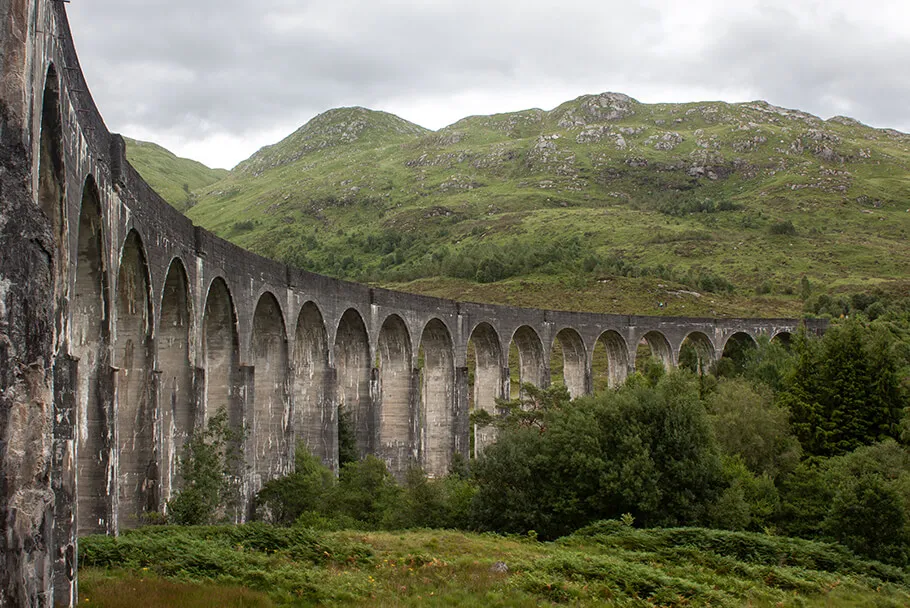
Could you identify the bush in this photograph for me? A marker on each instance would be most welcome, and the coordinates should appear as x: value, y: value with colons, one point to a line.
x: 783, y: 227
x: 210, y: 488
x: 285, y: 499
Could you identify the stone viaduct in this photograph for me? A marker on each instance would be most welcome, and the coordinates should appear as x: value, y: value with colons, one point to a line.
x: 123, y: 328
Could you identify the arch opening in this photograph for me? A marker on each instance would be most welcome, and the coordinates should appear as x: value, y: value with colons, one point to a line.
x: 736, y: 352
x: 610, y: 361
x: 138, y: 454
x: 437, y: 398
x: 696, y: 353
x: 178, y: 403
x: 353, y: 365
x: 90, y: 337
x: 484, y: 379
x: 653, y: 346
x: 396, y: 428
x: 314, y: 413
x: 52, y: 184
x: 784, y: 338
x: 569, y: 362
x: 526, y: 357
x: 221, y: 354
x: 271, y: 411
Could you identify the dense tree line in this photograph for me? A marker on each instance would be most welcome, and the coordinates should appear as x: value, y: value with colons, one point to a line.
x: 396, y: 257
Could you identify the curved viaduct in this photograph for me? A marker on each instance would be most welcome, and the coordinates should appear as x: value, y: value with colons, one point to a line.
x: 123, y: 328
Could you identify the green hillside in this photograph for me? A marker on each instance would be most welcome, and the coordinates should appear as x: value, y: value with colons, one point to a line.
x: 700, y: 208
x: 174, y: 178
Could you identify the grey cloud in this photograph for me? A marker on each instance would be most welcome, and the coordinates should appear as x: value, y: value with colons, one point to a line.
x: 210, y: 67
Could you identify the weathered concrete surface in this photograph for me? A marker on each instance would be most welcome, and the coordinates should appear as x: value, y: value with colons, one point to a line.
x: 123, y: 328
x: 27, y: 290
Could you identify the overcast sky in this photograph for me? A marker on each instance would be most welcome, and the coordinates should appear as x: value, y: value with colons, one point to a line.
x: 215, y: 80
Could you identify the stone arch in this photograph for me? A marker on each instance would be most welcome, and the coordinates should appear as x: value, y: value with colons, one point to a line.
x: 396, y: 432
x: 138, y: 475
x: 574, y: 362
x: 656, y: 345
x: 437, y: 398
x: 531, y: 366
x: 352, y: 362
x: 221, y: 355
x: 52, y: 184
x: 314, y: 412
x: 178, y: 402
x: 89, y: 327
x: 783, y: 337
x: 610, y: 361
x: 269, y: 351
x: 485, y: 349
x: 735, y: 351
x: 696, y: 353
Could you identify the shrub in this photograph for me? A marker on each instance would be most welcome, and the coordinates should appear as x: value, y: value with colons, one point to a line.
x: 209, y: 475
x: 285, y: 499
x: 784, y: 227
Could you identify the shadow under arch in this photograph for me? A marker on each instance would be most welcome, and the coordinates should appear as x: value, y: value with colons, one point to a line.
x: 314, y: 414
x: 52, y: 187
x: 138, y: 475
x: 526, y: 357
x: 221, y: 355
x: 90, y: 329
x: 177, y: 393
x: 352, y: 362
x: 784, y: 338
x: 486, y: 361
x: 735, y: 353
x: 437, y: 398
x: 271, y: 411
x: 696, y: 353
x: 654, y: 345
x: 610, y: 361
x: 569, y: 362
x: 397, y: 434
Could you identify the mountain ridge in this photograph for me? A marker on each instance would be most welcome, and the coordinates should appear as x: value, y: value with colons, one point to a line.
x: 735, y: 202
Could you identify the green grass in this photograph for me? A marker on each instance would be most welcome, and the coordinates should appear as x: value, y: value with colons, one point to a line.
x: 368, y: 196
x: 174, y: 178
x: 604, y: 564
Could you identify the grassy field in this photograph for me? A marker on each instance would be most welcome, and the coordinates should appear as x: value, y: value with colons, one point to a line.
x: 604, y: 564
x: 623, y: 204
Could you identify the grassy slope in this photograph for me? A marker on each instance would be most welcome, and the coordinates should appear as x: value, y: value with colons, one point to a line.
x: 627, y: 179
x: 621, y: 567
x: 168, y: 173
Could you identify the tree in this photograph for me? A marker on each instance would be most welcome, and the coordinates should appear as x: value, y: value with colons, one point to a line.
x: 868, y: 516
x: 844, y: 391
x: 750, y: 426
x: 645, y: 450
x: 209, y: 473
x: 284, y: 499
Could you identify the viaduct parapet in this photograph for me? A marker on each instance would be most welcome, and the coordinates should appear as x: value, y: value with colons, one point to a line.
x: 124, y: 328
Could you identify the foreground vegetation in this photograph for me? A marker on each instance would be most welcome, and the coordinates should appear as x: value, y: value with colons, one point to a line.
x: 607, y: 563
x: 781, y: 476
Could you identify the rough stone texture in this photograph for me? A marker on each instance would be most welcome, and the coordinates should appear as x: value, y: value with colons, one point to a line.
x: 123, y: 328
